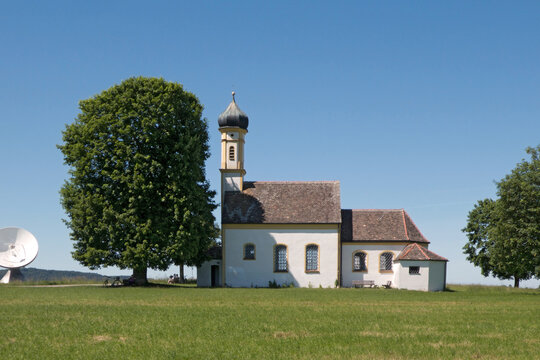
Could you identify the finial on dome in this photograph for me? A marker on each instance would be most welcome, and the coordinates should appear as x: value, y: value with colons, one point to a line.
x: 233, y: 93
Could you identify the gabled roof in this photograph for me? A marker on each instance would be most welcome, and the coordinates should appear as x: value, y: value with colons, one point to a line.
x: 283, y: 202
x: 417, y: 252
x: 379, y: 225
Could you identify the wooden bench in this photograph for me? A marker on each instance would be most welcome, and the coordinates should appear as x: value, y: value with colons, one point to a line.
x: 362, y: 283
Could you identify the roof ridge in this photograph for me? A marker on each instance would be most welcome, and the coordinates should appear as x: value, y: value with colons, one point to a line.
x: 410, y: 247
x: 373, y: 209
x: 294, y: 182
x: 405, y: 225
x: 423, y: 252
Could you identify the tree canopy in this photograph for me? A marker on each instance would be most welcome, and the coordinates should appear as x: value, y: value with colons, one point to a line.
x: 137, y: 196
x: 504, y: 234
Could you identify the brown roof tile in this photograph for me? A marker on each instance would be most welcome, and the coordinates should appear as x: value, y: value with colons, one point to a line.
x: 417, y: 252
x: 283, y: 202
x: 379, y: 225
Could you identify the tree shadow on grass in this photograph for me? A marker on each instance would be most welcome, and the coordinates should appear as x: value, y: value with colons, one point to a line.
x: 162, y: 285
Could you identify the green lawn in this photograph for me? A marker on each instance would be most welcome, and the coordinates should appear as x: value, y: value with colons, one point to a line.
x: 182, y: 322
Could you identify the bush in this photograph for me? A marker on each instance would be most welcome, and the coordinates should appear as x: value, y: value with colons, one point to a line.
x: 274, y: 285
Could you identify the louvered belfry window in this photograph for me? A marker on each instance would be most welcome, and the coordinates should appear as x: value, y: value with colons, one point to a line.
x: 231, y: 153
x: 280, y: 258
x: 386, y: 261
x: 312, y: 258
x: 360, y: 261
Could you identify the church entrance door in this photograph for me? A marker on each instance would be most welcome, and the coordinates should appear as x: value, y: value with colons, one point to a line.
x: 214, y: 271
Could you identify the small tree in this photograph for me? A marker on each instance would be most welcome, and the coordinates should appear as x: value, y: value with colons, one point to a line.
x: 504, y: 234
x: 198, y: 259
x: 137, y: 196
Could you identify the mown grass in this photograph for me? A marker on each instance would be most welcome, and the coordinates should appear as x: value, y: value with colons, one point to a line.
x: 191, y: 323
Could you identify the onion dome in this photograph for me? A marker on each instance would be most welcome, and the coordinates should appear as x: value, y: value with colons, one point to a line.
x: 233, y: 116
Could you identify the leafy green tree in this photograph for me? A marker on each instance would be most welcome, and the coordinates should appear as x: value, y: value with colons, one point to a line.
x: 479, y: 222
x: 504, y: 234
x: 137, y: 196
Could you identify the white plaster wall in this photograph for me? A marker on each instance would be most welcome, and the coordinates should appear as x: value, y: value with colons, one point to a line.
x: 231, y: 181
x: 204, y: 273
x: 258, y: 272
x: 437, y: 275
x: 412, y: 282
x: 373, y: 273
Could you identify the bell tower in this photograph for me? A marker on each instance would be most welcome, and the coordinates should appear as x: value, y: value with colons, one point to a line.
x: 233, y: 124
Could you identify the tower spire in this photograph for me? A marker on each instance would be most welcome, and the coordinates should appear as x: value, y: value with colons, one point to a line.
x: 233, y: 116
x: 233, y: 124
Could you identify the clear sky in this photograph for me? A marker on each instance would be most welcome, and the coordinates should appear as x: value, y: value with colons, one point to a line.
x: 419, y: 105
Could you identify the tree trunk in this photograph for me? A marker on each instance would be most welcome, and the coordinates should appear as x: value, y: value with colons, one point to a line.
x: 516, y: 282
x: 182, y: 279
x: 140, y: 276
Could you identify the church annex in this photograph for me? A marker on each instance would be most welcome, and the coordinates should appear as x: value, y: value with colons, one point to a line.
x: 295, y: 232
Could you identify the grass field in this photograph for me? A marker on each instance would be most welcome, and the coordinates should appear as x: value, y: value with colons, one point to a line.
x: 189, y: 323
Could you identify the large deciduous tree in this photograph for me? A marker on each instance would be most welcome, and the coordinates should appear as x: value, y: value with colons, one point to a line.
x: 504, y: 234
x: 137, y: 196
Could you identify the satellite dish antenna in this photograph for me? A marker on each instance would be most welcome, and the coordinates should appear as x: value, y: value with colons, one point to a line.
x: 18, y: 248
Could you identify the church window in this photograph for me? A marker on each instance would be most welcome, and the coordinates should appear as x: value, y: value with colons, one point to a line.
x: 312, y: 258
x: 386, y: 261
x: 231, y: 153
x: 359, y: 261
x: 414, y: 270
x: 280, y: 258
x: 249, y: 252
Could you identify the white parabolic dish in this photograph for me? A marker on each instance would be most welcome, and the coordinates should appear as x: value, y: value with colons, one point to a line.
x: 18, y: 247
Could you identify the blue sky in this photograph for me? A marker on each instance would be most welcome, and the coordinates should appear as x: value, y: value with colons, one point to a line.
x: 419, y: 105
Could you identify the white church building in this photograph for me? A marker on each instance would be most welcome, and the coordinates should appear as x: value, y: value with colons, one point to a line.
x: 295, y: 232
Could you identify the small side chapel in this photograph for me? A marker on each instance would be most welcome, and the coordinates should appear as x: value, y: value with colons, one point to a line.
x: 295, y: 232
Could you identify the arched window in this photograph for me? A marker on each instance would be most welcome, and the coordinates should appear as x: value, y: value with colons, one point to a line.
x: 280, y: 258
x: 386, y: 261
x: 249, y: 252
x: 360, y: 261
x: 231, y: 153
x: 312, y: 258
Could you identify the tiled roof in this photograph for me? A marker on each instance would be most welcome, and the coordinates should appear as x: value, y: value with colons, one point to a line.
x: 283, y: 202
x: 417, y: 252
x: 379, y: 225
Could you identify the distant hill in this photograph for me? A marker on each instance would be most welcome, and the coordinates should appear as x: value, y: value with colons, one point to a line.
x: 33, y: 274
